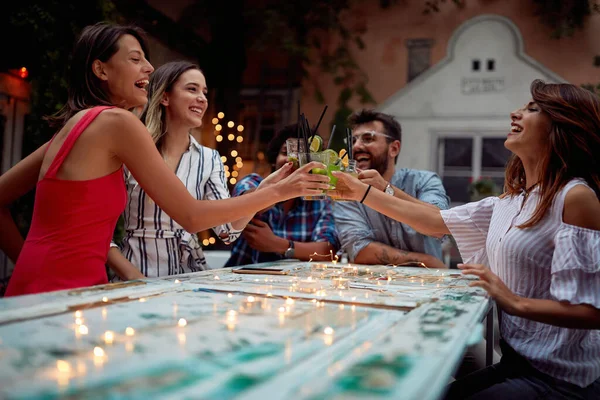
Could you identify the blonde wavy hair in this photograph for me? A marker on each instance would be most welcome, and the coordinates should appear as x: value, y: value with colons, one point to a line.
x: 161, y: 82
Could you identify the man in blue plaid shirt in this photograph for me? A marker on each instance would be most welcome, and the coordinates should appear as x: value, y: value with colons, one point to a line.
x: 295, y: 228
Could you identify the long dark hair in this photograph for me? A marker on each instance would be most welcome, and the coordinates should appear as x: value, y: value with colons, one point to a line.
x: 96, y: 42
x: 573, y: 149
x: 161, y: 82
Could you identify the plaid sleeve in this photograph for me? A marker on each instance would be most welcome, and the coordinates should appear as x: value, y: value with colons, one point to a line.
x: 246, y: 183
x: 324, y: 230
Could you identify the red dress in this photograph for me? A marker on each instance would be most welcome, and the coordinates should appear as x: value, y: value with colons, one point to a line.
x: 72, y: 225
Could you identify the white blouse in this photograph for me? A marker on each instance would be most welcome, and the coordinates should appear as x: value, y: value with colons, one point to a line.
x: 552, y: 260
x: 153, y: 241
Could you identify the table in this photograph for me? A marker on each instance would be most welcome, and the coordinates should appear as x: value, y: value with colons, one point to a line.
x: 395, y: 332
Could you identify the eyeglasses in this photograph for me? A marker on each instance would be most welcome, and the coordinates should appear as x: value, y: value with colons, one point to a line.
x: 368, y: 137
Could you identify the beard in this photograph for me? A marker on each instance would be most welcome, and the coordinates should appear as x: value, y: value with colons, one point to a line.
x: 377, y: 162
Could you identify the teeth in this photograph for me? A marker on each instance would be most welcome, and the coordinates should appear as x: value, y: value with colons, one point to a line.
x: 196, y: 110
x: 515, y: 128
x: 141, y: 83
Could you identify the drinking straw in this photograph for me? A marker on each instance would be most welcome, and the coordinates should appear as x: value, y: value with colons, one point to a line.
x: 349, y: 140
x: 331, y: 136
x: 298, y: 126
x: 320, y: 119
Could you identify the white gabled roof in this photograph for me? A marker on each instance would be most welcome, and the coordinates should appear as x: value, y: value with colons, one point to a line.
x: 451, y: 89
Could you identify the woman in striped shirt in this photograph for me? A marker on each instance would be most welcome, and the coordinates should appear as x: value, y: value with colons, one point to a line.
x: 154, y: 243
x: 541, y: 241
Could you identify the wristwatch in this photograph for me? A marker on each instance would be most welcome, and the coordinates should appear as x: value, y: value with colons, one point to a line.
x: 289, y: 253
x: 389, y: 189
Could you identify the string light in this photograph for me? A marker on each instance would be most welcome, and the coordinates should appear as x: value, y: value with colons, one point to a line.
x: 233, y: 181
x: 23, y: 72
x: 238, y: 159
x: 234, y: 153
x: 240, y: 128
x: 234, y: 174
x: 218, y: 127
x: 221, y: 115
x: 212, y: 240
x: 215, y: 121
x: 219, y: 138
x: 227, y: 174
x: 231, y: 136
x: 230, y: 124
x: 240, y: 139
x: 205, y: 242
x: 224, y: 159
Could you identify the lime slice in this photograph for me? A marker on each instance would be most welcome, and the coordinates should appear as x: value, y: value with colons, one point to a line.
x: 316, y: 143
x: 331, y: 156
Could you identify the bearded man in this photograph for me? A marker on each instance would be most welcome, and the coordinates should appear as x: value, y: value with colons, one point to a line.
x: 368, y: 236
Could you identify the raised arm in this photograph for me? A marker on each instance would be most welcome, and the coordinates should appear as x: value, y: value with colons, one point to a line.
x: 17, y: 181
x: 133, y: 146
x: 423, y: 218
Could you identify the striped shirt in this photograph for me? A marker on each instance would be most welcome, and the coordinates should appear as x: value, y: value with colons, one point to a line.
x: 153, y: 241
x: 306, y: 221
x: 552, y: 260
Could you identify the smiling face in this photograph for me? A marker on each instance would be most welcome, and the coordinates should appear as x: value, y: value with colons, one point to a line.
x: 376, y: 153
x: 529, y: 132
x: 126, y: 73
x: 186, y: 103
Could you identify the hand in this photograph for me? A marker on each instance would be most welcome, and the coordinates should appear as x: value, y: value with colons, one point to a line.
x: 373, y: 178
x: 348, y: 187
x: 133, y: 275
x: 505, y: 298
x: 434, y: 262
x: 302, y: 183
x: 277, y: 176
x: 260, y: 237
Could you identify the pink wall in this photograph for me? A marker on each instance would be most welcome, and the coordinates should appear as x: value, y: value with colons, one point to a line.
x: 385, y: 57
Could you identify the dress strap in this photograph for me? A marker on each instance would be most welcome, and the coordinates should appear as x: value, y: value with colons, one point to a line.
x: 69, y: 142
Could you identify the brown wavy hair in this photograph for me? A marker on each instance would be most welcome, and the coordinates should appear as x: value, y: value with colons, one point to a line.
x: 573, y: 149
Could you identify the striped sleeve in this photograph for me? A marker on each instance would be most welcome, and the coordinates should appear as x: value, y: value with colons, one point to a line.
x: 216, y: 189
x: 576, y: 266
x: 469, y: 225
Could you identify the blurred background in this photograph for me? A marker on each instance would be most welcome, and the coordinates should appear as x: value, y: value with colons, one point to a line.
x: 450, y: 71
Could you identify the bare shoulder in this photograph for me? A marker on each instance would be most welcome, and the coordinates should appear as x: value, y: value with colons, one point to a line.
x: 117, y: 118
x: 582, y: 208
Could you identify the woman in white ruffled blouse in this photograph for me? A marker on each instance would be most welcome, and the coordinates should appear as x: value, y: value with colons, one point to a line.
x: 541, y: 241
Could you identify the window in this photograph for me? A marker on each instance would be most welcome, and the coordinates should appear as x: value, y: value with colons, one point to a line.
x: 462, y: 159
x: 475, y: 65
x: 419, y: 56
x: 491, y: 64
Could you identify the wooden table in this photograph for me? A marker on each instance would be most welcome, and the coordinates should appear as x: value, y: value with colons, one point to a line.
x: 394, y: 333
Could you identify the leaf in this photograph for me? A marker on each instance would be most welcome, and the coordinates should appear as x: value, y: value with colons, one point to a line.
x: 359, y: 42
x: 319, y: 96
x: 344, y: 96
x: 365, y: 96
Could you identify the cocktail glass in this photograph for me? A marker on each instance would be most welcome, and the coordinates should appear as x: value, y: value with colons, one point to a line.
x: 294, y: 146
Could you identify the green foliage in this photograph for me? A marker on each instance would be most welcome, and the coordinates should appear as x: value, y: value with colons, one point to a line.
x: 564, y: 17
x: 314, y: 34
x: 482, y: 188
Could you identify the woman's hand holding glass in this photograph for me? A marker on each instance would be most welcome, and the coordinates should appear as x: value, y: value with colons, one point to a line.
x: 300, y: 182
x: 348, y: 187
